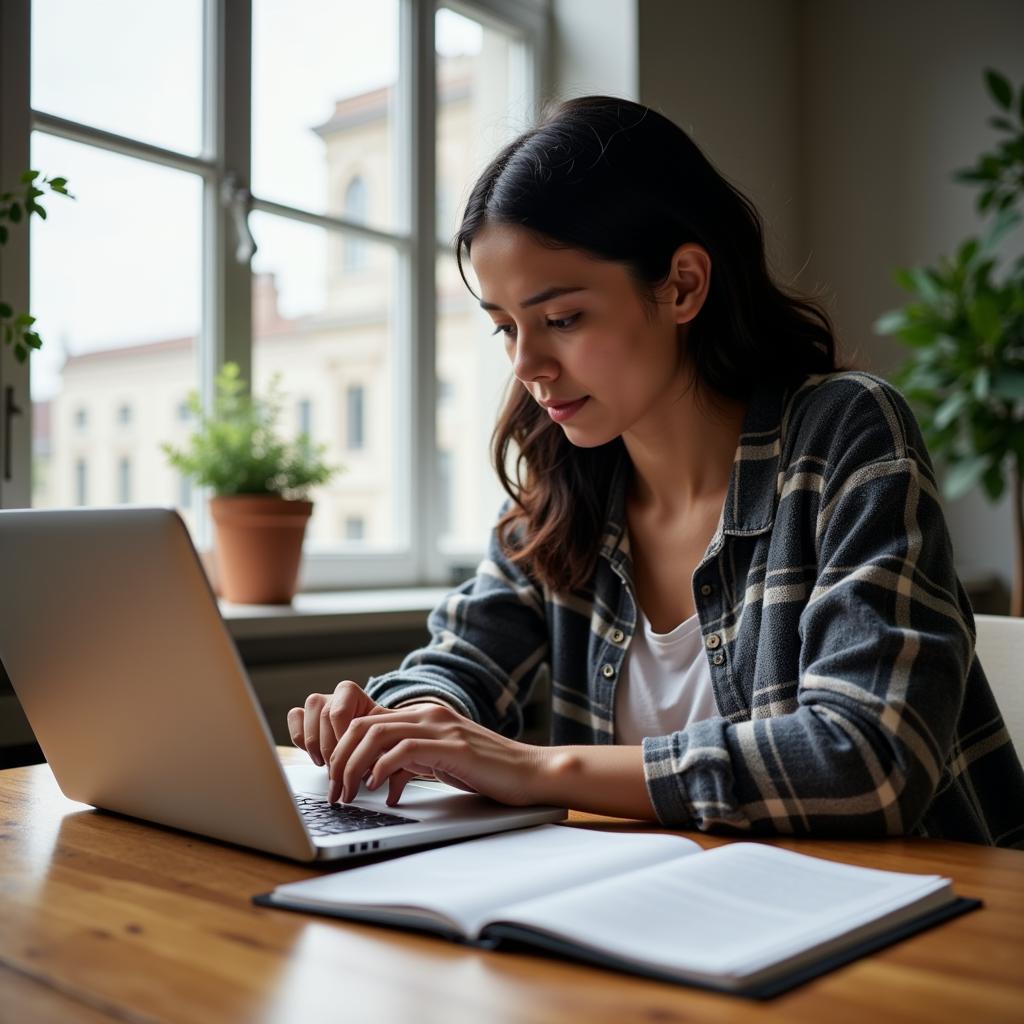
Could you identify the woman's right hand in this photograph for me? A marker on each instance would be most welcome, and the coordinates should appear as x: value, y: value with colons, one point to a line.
x: 317, y: 727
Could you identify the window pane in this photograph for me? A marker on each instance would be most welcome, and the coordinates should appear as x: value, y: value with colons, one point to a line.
x: 323, y: 78
x: 116, y: 289
x: 482, y: 101
x: 126, y: 67
x: 328, y: 332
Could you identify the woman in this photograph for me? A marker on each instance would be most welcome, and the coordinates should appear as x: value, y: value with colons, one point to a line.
x: 727, y: 558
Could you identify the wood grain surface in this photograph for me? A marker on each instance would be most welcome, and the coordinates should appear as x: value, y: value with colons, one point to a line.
x: 105, y: 918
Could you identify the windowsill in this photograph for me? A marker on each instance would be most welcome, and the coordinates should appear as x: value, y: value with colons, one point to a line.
x: 334, y: 613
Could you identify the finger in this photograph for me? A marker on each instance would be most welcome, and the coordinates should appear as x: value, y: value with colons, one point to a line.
x: 396, y: 786
x: 295, y: 730
x: 377, y: 738
x: 346, y: 703
x: 350, y: 737
x: 311, y: 725
x: 409, y: 756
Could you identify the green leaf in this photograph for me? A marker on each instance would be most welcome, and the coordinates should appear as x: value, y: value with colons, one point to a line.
x: 1004, y: 223
x: 58, y: 183
x: 993, y: 481
x: 984, y: 317
x: 15, y: 213
x: 3, y: 234
x: 5, y: 310
x: 1002, y: 123
x: 999, y: 87
x: 24, y: 320
x: 963, y: 475
x: 981, y: 384
x: 1009, y: 384
x: 20, y: 352
x: 28, y: 177
x: 890, y: 322
x: 950, y: 409
x: 925, y: 284
x: 967, y: 250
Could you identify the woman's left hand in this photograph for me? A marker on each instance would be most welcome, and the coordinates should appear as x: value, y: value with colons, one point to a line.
x: 428, y: 739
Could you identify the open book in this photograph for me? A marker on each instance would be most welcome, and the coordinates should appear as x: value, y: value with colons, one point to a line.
x: 742, y: 918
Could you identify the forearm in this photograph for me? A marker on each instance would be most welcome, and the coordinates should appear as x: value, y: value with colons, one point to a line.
x: 603, y: 780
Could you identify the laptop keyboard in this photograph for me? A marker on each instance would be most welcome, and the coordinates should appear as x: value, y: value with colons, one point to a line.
x: 324, y: 819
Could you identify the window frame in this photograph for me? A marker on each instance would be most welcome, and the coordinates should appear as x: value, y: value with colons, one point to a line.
x: 224, y: 167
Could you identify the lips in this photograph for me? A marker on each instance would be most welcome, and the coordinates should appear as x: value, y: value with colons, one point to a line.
x: 562, y: 411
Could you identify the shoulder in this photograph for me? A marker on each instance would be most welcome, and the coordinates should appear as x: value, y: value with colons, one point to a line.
x: 850, y: 417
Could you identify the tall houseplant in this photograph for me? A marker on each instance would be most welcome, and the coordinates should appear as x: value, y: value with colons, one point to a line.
x: 965, y: 329
x: 260, y: 484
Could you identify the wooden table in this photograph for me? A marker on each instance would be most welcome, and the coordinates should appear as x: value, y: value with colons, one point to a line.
x: 106, y: 919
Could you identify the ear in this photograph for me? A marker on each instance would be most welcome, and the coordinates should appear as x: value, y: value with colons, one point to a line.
x: 688, y: 280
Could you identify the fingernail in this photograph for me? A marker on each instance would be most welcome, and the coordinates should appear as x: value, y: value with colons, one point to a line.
x: 318, y: 761
x: 370, y: 783
x: 344, y: 795
x: 332, y: 792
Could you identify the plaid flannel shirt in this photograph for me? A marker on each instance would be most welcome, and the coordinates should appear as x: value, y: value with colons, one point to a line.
x: 840, y: 641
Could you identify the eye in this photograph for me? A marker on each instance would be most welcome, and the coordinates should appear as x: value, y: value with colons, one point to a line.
x: 506, y: 329
x: 564, y: 322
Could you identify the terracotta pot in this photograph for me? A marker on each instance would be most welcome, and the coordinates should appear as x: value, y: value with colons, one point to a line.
x: 259, y: 546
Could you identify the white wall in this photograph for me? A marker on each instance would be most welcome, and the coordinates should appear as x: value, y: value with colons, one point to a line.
x: 595, y: 49
x: 727, y: 72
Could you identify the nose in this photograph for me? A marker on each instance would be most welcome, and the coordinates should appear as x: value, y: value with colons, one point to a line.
x: 530, y: 361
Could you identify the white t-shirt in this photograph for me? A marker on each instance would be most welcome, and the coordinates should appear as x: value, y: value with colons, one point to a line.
x: 665, y: 682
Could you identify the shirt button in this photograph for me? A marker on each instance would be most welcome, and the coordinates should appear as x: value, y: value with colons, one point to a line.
x: 618, y: 636
x: 705, y: 590
x: 608, y: 671
x: 713, y: 641
x: 718, y: 658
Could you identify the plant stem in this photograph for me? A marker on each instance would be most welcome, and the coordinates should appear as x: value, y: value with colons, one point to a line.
x: 1017, y: 487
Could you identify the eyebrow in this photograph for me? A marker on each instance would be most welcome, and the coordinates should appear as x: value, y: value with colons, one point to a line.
x: 533, y: 300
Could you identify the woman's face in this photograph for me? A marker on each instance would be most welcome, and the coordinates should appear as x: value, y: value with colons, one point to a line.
x: 580, y: 336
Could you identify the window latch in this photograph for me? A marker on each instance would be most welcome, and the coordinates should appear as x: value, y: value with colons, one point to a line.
x: 238, y: 200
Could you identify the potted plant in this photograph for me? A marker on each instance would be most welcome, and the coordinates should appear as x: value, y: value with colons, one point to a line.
x: 260, y: 485
x: 966, y: 331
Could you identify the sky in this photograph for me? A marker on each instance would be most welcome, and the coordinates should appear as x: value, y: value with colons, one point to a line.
x: 121, y: 264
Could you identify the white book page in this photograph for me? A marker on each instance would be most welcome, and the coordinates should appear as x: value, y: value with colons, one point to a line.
x: 732, y: 910
x: 467, y: 883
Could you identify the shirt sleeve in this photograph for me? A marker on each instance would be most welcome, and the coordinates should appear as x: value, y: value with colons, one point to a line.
x: 488, y: 645
x: 886, y: 644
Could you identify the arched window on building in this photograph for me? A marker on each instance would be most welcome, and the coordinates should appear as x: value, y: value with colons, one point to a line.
x: 357, y: 208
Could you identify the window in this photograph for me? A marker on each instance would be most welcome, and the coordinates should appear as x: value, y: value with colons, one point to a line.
x: 355, y: 417
x: 356, y: 208
x: 355, y: 527
x: 81, y: 482
x: 342, y: 176
x: 184, y: 492
x: 305, y: 411
x: 124, y: 480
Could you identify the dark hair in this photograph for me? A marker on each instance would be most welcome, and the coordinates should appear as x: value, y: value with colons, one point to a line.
x: 621, y: 182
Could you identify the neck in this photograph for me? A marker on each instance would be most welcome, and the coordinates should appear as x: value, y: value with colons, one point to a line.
x: 682, y: 454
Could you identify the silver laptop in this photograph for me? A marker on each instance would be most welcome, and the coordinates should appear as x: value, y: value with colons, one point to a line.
x: 116, y: 649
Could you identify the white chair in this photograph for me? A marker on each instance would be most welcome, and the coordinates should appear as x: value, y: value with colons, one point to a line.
x: 1000, y: 648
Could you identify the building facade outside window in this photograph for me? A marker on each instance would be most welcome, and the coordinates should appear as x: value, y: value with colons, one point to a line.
x: 355, y: 417
x: 81, y: 482
x: 124, y: 480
